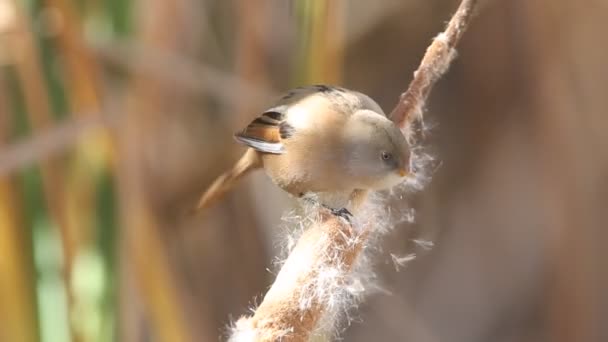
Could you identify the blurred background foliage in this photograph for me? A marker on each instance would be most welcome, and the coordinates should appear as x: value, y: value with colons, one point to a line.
x: 115, y: 115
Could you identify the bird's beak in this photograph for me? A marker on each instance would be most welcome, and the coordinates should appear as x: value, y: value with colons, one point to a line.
x: 402, y: 171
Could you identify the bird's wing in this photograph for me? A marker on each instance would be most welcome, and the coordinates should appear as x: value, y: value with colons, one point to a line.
x: 301, y: 109
x: 265, y: 133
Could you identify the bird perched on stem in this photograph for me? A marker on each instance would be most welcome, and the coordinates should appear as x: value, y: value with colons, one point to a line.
x: 321, y: 143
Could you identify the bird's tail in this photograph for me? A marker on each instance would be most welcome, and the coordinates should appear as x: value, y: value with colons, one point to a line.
x: 248, y: 162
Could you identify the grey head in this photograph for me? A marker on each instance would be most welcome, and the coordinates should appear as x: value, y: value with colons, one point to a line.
x: 376, y: 152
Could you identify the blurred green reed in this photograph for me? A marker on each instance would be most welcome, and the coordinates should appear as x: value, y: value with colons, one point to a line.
x: 81, y: 306
x: 59, y: 216
x: 320, y: 35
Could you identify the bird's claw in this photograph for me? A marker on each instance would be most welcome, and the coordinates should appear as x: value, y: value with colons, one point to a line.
x: 343, y: 213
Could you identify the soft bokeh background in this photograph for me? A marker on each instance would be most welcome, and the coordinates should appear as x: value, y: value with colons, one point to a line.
x: 115, y: 115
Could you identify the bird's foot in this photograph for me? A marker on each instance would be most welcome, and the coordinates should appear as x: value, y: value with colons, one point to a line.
x: 342, y: 212
x: 339, y: 212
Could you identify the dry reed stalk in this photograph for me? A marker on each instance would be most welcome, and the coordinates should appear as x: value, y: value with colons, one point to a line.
x: 29, y: 71
x: 92, y: 157
x: 310, y: 286
x: 434, y: 64
x: 92, y: 153
x: 325, y: 49
x: 40, y: 114
x: 17, y: 295
x: 79, y: 63
x: 143, y: 249
x: 250, y: 66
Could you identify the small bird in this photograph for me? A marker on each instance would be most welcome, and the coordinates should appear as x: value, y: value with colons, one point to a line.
x: 322, y: 143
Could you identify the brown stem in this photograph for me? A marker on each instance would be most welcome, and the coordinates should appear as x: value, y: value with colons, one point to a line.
x: 17, y: 292
x: 434, y: 64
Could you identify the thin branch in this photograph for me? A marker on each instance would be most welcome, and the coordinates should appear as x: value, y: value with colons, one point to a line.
x: 315, y: 275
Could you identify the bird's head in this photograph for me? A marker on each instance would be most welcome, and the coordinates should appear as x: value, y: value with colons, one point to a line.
x: 377, y: 154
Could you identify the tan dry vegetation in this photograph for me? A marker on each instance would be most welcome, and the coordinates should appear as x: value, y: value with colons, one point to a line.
x: 116, y: 115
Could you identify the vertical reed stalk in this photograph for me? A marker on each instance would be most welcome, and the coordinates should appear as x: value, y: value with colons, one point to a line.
x: 17, y: 293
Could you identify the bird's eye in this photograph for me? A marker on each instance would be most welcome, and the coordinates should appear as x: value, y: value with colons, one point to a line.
x: 386, y: 156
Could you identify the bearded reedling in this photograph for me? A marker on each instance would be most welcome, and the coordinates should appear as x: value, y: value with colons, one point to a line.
x: 321, y: 142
